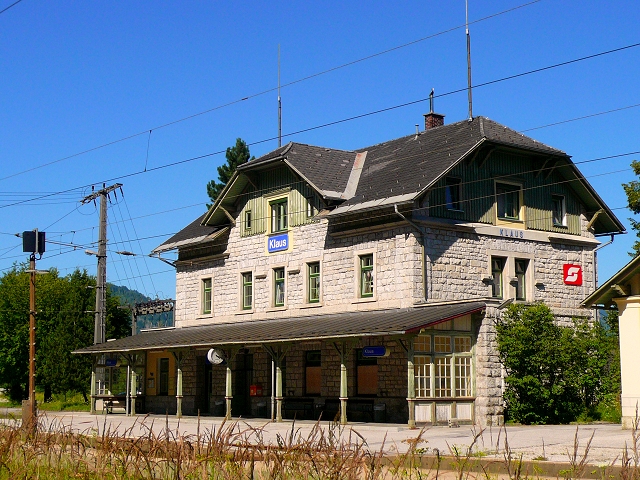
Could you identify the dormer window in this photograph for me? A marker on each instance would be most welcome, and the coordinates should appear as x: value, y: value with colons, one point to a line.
x: 453, y: 193
x: 508, y: 201
x: 279, y: 221
x: 558, y: 210
x: 311, y: 208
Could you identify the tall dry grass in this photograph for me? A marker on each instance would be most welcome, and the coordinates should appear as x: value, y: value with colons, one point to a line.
x: 238, y: 451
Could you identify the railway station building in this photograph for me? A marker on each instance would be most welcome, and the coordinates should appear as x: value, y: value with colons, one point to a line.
x: 363, y: 285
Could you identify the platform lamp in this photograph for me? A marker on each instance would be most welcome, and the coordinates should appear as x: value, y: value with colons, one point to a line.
x: 32, y: 242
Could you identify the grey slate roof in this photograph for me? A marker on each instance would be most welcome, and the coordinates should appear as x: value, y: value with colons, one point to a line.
x: 316, y: 327
x: 409, y: 164
x: 326, y: 168
x: 191, y: 234
x: 398, y: 171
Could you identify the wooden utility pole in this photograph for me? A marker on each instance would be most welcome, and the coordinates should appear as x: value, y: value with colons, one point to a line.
x: 32, y: 342
x: 101, y: 276
x: 32, y: 242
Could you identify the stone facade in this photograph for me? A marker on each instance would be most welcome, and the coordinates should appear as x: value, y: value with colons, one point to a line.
x: 456, y: 262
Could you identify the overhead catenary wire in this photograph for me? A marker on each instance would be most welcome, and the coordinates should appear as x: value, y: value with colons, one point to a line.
x: 10, y: 6
x: 140, y: 246
x: 270, y: 90
x: 337, y: 122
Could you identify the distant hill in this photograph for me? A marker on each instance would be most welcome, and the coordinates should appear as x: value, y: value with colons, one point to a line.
x: 126, y: 295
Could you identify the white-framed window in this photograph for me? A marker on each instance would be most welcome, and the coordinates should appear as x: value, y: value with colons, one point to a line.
x: 443, y: 365
x: 279, y: 292
x: 508, y: 201
x: 206, y: 296
x: 558, y: 211
x: 453, y: 193
x: 247, y: 290
x: 279, y: 215
x: 313, y: 282
x: 248, y: 220
x: 367, y: 275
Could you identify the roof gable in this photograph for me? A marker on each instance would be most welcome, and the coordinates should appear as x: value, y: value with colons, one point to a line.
x: 326, y: 169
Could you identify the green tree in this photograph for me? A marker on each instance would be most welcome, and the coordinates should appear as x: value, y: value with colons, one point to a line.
x: 632, y: 189
x: 554, y: 373
x: 64, y: 322
x: 236, y: 155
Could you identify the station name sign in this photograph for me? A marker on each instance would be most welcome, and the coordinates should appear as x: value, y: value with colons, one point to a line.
x: 511, y: 233
x: 375, y: 352
x: 278, y: 243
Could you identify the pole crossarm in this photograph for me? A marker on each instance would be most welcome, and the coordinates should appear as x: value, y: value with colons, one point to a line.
x: 104, y: 191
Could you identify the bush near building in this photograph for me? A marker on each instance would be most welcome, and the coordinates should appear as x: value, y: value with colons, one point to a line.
x: 555, y: 373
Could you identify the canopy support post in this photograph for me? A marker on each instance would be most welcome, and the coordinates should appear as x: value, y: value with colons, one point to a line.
x: 277, y: 356
x: 179, y: 356
x: 93, y: 386
x: 411, y: 381
x: 344, y: 386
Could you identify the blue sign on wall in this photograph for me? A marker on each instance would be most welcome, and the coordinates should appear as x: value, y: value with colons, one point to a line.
x: 278, y: 243
x: 374, y: 352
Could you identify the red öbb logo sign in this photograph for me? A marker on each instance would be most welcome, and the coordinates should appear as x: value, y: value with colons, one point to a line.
x: 572, y: 274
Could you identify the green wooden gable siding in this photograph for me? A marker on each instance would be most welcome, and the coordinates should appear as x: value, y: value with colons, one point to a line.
x: 478, y: 192
x: 268, y: 185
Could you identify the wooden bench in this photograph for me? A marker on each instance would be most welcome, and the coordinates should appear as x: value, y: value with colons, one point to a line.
x: 110, y: 402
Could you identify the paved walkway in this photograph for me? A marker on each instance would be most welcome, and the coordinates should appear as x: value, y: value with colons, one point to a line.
x: 554, y: 442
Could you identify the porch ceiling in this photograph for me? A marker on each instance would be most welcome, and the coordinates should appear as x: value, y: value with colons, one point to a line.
x: 315, y: 327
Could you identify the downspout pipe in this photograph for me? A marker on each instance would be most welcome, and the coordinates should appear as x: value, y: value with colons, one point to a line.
x: 613, y: 236
x: 595, y: 267
x: 595, y: 259
x: 422, y: 243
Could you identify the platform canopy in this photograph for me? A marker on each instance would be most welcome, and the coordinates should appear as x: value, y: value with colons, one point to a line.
x: 395, y: 322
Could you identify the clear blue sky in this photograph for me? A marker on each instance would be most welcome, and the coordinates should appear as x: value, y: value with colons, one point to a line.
x: 75, y: 75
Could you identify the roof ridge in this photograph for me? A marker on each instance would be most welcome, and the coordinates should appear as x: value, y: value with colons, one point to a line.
x: 506, y: 127
x: 413, y: 135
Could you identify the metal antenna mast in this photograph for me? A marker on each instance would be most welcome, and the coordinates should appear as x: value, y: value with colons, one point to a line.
x: 469, y: 60
x: 279, y: 104
x: 101, y: 278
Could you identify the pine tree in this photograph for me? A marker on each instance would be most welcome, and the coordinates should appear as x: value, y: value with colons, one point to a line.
x: 632, y: 189
x: 236, y: 156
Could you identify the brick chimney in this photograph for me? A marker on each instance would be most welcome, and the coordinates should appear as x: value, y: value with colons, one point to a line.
x: 433, y: 120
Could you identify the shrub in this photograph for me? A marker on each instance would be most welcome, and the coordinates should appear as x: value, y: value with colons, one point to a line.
x: 554, y: 373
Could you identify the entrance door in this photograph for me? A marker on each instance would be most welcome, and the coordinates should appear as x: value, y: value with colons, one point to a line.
x: 242, y: 379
